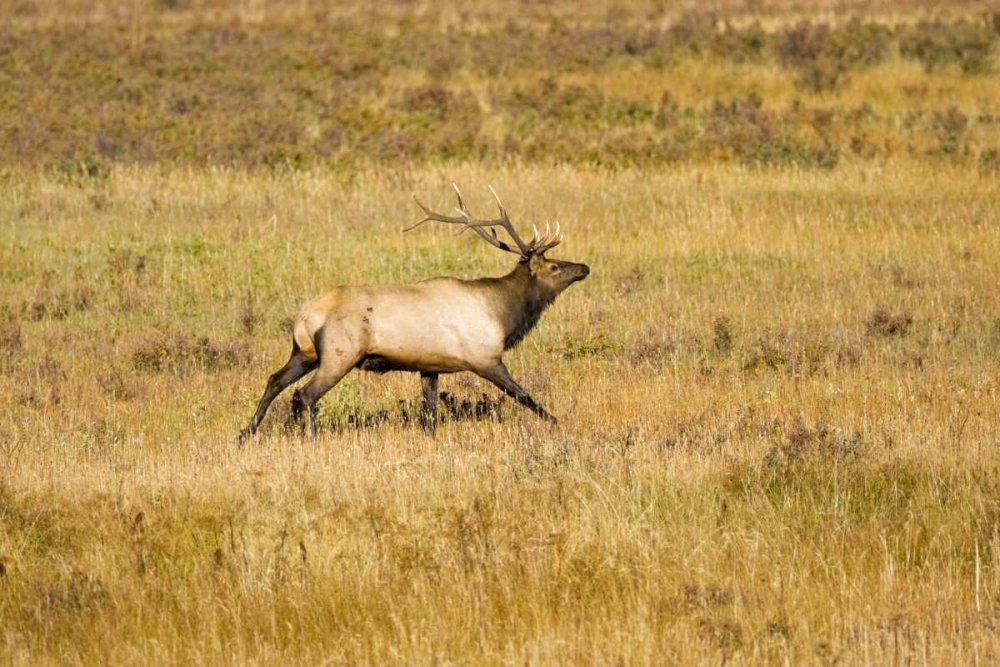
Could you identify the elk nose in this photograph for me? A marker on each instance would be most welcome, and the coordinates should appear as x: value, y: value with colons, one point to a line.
x: 585, y: 272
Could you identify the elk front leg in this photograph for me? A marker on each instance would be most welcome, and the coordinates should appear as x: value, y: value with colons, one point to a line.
x: 428, y: 411
x: 500, y: 376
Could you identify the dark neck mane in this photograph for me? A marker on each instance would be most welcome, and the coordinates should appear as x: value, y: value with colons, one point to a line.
x: 526, y: 321
x: 520, y: 302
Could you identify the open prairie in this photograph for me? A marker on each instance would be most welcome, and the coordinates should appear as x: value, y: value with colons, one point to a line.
x: 778, y: 391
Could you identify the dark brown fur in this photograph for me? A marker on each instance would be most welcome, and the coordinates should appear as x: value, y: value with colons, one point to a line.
x: 520, y: 300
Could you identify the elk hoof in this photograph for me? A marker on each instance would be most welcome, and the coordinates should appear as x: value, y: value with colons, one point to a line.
x: 428, y: 422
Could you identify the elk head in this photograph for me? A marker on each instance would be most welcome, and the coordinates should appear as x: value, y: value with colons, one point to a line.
x: 551, y: 276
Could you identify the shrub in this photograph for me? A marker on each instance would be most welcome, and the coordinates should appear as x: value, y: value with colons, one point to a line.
x: 949, y: 127
x: 969, y: 45
x: 249, y: 317
x: 666, y: 111
x: 747, y: 45
x: 989, y: 162
x: 802, y: 44
x: 86, y: 170
x: 804, y: 443
x: 655, y: 346
x: 759, y: 137
x: 124, y: 263
x: 434, y: 100
x: 52, y: 303
x: 885, y: 322
x: 824, y: 74
x: 576, y: 106
x: 823, y: 55
x: 723, y: 333
x: 11, y: 340
x: 181, y: 354
x: 429, y: 122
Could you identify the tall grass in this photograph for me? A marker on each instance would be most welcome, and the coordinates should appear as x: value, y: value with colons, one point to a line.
x: 777, y: 390
x: 778, y: 436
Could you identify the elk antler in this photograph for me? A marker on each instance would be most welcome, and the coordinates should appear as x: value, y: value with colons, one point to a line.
x: 547, y: 241
x: 468, y: 221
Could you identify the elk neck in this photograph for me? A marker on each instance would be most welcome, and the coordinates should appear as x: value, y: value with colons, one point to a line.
x: 518, y: 300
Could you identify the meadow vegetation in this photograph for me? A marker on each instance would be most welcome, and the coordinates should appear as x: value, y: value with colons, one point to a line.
x: 631, y: 87
x: 778, y: 390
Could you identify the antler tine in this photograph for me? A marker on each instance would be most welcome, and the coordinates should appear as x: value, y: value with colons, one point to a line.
x: 503, y: 209
x: 463, y: 211
x: 549, y: 240
x: 461, y: 202
x: 539, y: 242
x: 503, y: 221
x: 542, y: 240
x: 429, y: 215
x: 468, y: 221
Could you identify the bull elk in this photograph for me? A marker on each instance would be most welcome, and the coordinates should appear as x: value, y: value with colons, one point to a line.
x: 441, y: 325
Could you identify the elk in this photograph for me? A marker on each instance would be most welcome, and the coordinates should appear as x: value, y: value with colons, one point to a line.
x: 436, y: 326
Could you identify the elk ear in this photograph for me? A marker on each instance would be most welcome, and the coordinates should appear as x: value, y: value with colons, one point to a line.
x: 535, y: 263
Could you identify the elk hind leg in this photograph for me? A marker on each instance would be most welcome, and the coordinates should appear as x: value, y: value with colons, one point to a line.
x: 332, y: 370
x: 296, y: 367
x: 428, y: 410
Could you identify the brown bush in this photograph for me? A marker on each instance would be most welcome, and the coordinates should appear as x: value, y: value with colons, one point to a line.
x: 11, y: 339
x: 434, y: 100
x: 249, y: 316
x: 968, y: 44
x: 989, y: 162
x: 949, y: 127
x: 656, y: 345
x: 805, y: 442
x: 114, y: 385
x: 824, y: 55
x: 885, y: 322
x: 726, y: 634
x: 58, y: 303
x: 723, y: 334
x: 181, y: 353
x: 761, y: 137
x: 694, y: 597
x: 769, y: 352
x: 123, y: 263
x: 667, y: 110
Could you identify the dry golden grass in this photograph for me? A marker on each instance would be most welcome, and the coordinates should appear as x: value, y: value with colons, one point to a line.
x: 779, y: 403
x: 779, y: 390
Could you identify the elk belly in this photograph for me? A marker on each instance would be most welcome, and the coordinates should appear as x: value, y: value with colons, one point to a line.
x: 433, y: 328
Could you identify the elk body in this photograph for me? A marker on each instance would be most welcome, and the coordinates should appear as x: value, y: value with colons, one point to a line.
x: 441, y: 325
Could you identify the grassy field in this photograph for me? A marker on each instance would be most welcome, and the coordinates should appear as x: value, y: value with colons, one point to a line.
x: 779, y: 390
